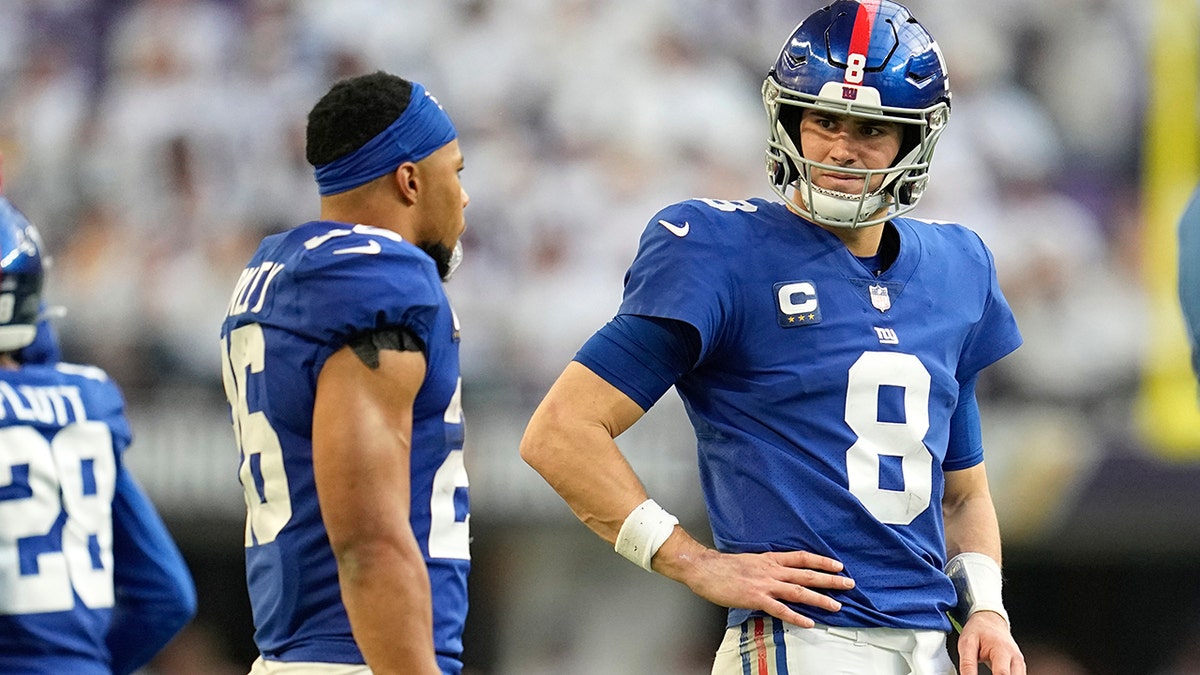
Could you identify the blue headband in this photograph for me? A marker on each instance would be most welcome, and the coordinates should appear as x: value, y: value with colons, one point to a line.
x: 421, y: 129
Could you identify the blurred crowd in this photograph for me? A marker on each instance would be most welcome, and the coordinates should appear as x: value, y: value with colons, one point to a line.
x: 155, y: 141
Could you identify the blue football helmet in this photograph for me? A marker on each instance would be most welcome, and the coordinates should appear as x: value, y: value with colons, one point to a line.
x: 20, y: 278
x: 868, y: 59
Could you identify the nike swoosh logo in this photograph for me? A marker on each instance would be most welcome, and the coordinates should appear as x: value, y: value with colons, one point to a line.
x: 370, y: 248
x: 677, y: 230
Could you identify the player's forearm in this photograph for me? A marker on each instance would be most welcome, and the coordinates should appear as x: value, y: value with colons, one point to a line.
x: 971, y: 525
x: 968, y: 514
x: 385, y: 587
x: 681, y: 558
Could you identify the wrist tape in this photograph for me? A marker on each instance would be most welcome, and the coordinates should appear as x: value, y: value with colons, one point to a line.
x: 643, y: 532
x: 978, y: 581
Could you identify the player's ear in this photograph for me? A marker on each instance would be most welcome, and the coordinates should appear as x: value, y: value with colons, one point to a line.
x: 406, y: 182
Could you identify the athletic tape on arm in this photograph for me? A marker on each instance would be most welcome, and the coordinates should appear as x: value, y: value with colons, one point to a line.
x: 643, y: 533
x: 978, y: 581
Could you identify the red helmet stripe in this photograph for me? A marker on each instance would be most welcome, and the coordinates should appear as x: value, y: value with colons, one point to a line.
x: 864, y: 25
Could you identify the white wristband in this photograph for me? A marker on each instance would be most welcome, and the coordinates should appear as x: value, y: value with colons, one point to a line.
x: 978, y: 581
x: 643, y: 532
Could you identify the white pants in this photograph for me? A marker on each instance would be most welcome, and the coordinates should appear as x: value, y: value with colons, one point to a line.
x: 768, y: 646
x: 263, y: 667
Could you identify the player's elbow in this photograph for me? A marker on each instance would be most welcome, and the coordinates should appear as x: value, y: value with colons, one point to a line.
x: 361, y: 563
x: 171, y: 620
x: 532, y: 447
x: 537, y: 445
x: 186, y: 603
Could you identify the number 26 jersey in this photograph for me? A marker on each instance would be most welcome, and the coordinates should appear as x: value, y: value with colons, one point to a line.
x: 304, y: 294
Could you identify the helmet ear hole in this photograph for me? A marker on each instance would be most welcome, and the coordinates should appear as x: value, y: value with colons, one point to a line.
x: 789, y: 120
x: 783, y: 171
x: 910, y: 139
x: 904, y: 193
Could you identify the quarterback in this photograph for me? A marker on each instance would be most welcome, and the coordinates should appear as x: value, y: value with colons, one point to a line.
x: 826, y: 347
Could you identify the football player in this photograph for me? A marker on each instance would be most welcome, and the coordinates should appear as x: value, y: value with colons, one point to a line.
x: 826, y: 350
x: 340, y: 363
x: 91, y: 582
x: 1189, y: 275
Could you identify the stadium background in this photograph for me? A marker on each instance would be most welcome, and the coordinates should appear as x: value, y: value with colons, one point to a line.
x: 155, y: 141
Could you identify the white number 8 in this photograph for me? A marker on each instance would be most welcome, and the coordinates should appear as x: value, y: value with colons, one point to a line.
x: 856, y: 65
x: 897, y: 439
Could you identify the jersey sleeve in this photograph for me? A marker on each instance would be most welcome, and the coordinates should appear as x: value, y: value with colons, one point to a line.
x: 965, y: 446
x: 680, y: 272
x: 641, y: 356
x: 155, y: 595
x: 995, y: 334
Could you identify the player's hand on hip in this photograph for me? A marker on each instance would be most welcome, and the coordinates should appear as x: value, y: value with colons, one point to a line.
x: 767, y: 581
x: 987, y: 639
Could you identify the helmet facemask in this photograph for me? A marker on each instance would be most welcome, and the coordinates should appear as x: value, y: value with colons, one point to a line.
x: 903, y: 182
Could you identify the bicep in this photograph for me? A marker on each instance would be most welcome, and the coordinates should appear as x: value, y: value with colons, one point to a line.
x: 963, y: 486
x: 362, y: 438
x: 580, y: 397
x: 966, y: 483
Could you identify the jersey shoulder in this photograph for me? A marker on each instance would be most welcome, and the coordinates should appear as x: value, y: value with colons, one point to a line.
x: 949, y: 242
x: 327, y: 279
x: 54, y: 395
x: 706, y: 217
x: 944, y: 233
x: 344, y: 258
x: 86, y: 372
x: 692, y: 257
x: 703, y: 227
x: 92, y: 380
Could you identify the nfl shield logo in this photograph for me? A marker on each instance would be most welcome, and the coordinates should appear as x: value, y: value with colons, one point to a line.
x: 879, y: 298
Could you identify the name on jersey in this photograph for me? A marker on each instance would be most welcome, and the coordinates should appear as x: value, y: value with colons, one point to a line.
x: 797, y: 304
x: 60, y: 404
x: 250, y: 292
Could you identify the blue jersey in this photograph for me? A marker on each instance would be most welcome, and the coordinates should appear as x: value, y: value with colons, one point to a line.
x: 85, y: 562
x: 1189, y: 276
x: 305, y: 293
x: 823, y: 394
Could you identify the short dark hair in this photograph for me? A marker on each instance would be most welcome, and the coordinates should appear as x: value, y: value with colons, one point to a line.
x: 352, y: 112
